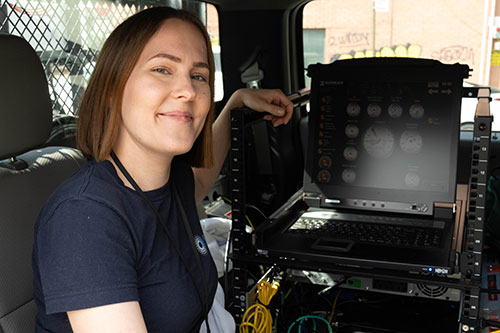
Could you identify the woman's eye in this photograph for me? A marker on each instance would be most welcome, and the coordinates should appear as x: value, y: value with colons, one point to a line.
x: 199, y: 78
x: 161, y: 70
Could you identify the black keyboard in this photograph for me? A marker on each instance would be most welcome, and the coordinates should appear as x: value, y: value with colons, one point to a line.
x: 388, y: 234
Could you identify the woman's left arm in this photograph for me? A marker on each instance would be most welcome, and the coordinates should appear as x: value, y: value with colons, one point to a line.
x: 273, y: 102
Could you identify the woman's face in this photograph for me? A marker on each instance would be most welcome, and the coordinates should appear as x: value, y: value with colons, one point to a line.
x: 167, y: 96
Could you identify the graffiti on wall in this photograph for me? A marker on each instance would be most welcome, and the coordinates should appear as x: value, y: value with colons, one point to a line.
x: 408, y: 50
x: 349, y: 39
x: 455, y: 53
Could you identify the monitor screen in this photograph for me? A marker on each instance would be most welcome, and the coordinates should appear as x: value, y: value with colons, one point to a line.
x: 384, y: 136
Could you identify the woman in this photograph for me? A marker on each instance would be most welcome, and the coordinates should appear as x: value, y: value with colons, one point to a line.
x: 119, y: 247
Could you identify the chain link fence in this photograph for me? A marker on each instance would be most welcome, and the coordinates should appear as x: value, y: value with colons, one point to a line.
x: 68, y: 34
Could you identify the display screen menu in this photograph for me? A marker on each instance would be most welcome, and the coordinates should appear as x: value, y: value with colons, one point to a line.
x: 397, y: 137
x: 391, y: 137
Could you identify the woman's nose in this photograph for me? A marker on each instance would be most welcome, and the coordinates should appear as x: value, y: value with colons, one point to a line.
x: 184, y: 87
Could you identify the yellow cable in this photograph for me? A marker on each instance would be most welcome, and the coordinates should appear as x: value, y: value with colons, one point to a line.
x: 257, y: 318
x: 497, y: 331
x: 267, y: 291
x: 330, y: 318
x: 250, y: 222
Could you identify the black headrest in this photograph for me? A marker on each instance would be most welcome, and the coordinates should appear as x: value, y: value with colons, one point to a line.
x: 25, y: 106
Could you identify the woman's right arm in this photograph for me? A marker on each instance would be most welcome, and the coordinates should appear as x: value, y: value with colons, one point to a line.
x: 85, y: 261
x: 119, y: 317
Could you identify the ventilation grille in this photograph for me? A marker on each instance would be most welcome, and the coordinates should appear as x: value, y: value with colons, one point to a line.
x: 431, y: 291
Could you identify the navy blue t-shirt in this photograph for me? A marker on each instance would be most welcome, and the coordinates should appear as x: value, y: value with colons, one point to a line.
x: 97, y: 242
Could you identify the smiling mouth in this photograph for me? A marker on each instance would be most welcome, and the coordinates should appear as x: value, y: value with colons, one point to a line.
x: 178, y: 116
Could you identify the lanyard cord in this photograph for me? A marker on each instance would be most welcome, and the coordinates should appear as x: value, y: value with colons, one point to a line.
x: 195, y: 251
x: 169, y: 235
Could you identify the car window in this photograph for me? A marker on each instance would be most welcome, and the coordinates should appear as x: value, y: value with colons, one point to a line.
x: 463, y: 31
x: 68, y: 36
x: 213, y: 31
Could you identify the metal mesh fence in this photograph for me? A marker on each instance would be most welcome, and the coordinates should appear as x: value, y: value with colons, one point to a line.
x: 68, y: 34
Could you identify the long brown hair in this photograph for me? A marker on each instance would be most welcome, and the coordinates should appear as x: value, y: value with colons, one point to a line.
x: 99, y: 115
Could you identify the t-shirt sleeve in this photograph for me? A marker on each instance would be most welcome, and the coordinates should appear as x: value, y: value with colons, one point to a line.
x: 86, y: 257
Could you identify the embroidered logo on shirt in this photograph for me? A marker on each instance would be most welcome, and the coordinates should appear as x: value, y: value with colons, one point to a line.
x: 201, y: 245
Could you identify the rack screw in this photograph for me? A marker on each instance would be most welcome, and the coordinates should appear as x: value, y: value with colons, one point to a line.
x: 465, y: 328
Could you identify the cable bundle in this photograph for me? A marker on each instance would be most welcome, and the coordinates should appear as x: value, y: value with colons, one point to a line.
x: 302, y: 319
x: 257, y: 317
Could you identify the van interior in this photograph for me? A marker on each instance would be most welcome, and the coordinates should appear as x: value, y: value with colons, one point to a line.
x: 48, y: 50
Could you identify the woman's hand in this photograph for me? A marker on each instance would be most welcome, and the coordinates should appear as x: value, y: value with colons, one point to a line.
x: 272, y: 101
x: 279, y: 111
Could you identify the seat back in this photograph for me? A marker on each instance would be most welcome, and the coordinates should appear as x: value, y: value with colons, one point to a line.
x: 28, y: 175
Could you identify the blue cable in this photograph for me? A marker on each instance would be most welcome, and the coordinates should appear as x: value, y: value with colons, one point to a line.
x: 314, y: 325
x: 301, y: 319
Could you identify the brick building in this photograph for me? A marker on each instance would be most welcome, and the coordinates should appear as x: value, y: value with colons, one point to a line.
x: 447, y: 30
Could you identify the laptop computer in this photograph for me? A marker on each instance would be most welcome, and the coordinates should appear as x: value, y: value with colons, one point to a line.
x: 380, y: 176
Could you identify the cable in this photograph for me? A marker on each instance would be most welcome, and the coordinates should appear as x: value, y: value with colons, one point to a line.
x: 330, y: 318
x: 257, y: 317
x: 490, y: 323
x: 267, y: 291
x: 289, y: 291
x: 303, y: 318
x: 257, y: 210
x: 225, y: 199
x: 228, y: 201
x: 250, y: 222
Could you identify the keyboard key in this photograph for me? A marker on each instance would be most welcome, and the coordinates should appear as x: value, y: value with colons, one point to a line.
x: 366, y: 232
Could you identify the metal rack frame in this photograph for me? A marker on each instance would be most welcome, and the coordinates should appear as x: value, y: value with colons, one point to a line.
x: 242, y: 251
x: 471, y: 257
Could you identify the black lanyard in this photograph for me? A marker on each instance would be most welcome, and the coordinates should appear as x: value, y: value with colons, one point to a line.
x: 160, y: 220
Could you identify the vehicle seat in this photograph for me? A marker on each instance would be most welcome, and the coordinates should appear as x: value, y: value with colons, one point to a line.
x: 28, y: 175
